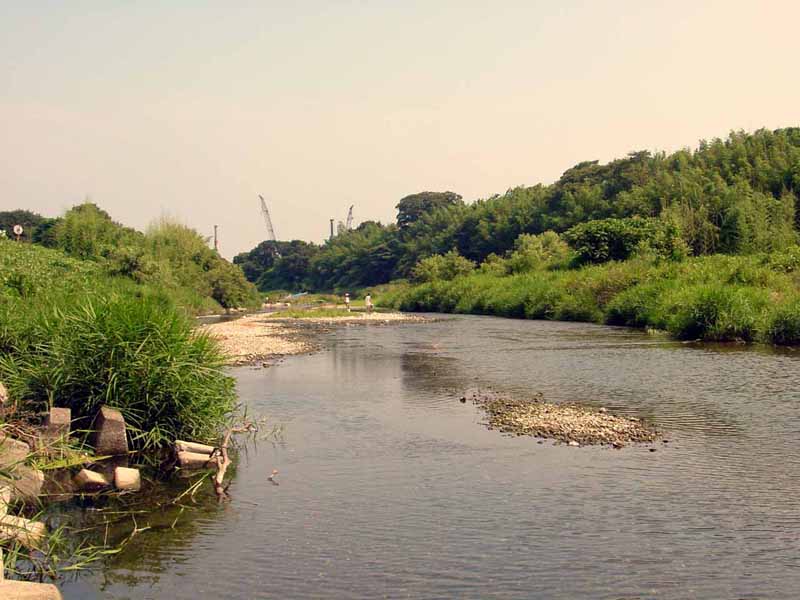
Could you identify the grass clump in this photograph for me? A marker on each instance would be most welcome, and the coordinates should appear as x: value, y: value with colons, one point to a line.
x: 74, y: 337
x: 783, y: 324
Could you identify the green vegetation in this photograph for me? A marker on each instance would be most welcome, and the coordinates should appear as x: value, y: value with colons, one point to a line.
x: 104, y: 317
x: 733, y: 196
x: 715, y: 298
x: 700, y: 243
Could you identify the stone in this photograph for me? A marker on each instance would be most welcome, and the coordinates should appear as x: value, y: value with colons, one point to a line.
x: 26, y: 590
x: 89, y: 481
x: 193, y: 460
x: 109, y: 437
x: 26, y: 485
x: 12, y: 452
x: 26, y: 532
x: 57, y: 422
x: 127, y: 479
x: 182, y: 446
x: 3, y: 393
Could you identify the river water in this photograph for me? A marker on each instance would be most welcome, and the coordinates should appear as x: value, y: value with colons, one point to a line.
x: 390, y: 487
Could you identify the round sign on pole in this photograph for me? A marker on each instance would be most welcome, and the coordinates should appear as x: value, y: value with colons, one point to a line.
x: 18, y: 230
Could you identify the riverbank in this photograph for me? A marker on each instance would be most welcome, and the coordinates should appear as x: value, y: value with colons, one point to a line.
x: 256, y: 338
x: 711, y: 298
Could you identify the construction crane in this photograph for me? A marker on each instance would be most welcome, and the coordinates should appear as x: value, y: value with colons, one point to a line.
x: 267, y: 220
x: 349, y: 225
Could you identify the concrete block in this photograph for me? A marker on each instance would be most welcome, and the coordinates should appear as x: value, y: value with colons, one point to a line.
x: 57, y: 422
x: 27, y: 532
x: 12, y: 452
x: 25, y: 590
x: 26, y: 485
x: 89, y: 481
x: 109, y: 437
x: 182, y: 446
x: 193, y: 460
x: 127, y: 479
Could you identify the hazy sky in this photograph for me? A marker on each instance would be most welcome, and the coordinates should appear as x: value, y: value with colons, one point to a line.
x: 192, y: 108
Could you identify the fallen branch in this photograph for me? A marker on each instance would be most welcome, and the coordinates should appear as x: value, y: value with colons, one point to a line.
x: 223, y: 460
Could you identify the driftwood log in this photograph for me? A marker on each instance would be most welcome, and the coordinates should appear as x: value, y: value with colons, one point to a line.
x: 223, y: 460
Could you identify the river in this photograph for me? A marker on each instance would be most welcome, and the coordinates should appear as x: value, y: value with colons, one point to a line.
x: 390, y: 487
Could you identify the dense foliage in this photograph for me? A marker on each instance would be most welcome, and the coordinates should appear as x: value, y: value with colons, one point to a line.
x: 714, y: 298
x: 169, y: 254
x: 602, y: 240
x: 102, y: 317
x: 734, y: 196
x: 33, y: 224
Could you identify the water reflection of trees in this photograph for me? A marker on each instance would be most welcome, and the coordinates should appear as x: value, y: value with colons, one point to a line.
x: 429, y: 373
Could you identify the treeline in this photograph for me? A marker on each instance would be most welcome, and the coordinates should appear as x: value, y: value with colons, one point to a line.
x: 734, y: 196
x: 168, y: 255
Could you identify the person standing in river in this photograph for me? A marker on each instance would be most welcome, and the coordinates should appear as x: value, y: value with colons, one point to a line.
x: 368, y: 302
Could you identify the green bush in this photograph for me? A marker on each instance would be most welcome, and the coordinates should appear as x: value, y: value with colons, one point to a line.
x: 135, y: 352
x: 638, y: 306
x: 716, y: 312
x: 442, y: 267
x: 618, y: 239
x: 537, y: 252
x: 783, y: 324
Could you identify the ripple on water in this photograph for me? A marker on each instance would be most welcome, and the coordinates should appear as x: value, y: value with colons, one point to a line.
x: 390, y: 487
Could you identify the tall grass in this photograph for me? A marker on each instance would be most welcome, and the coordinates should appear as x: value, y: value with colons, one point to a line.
x: 719, y: 298
x: 81, y: 339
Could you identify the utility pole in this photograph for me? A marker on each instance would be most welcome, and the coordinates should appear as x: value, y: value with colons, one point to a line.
x: 216, y: 239
x: 331, y: 229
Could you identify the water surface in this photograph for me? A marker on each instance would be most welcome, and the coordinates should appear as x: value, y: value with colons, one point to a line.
x: 390, y: 487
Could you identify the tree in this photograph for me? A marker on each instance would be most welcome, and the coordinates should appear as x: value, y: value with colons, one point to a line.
x: 30, y: 221
x: 412, y: 207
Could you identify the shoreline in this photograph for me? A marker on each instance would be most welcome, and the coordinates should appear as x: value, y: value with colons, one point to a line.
x: 259, y: 338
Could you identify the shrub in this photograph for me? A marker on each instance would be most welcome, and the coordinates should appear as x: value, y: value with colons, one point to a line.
x: 783, y: 324
x: 638, y: 306
x: 617, y: 239
x: 442, y: 267
x: 537, y: 252
x: 716, y: 312
x: 138, y: 354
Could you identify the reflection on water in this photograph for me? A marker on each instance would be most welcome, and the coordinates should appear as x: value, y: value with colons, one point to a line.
x: 390, y: 488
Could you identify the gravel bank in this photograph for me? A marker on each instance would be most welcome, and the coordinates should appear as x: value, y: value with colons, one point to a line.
x: 574, y: 425
x: 255, y: 338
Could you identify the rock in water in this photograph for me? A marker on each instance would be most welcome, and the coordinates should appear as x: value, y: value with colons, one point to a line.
x: 109, y: 433
x: 127, y: 479
x: 89, y: 481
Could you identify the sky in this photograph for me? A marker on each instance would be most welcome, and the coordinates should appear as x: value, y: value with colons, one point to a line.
x: 190, y: 109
